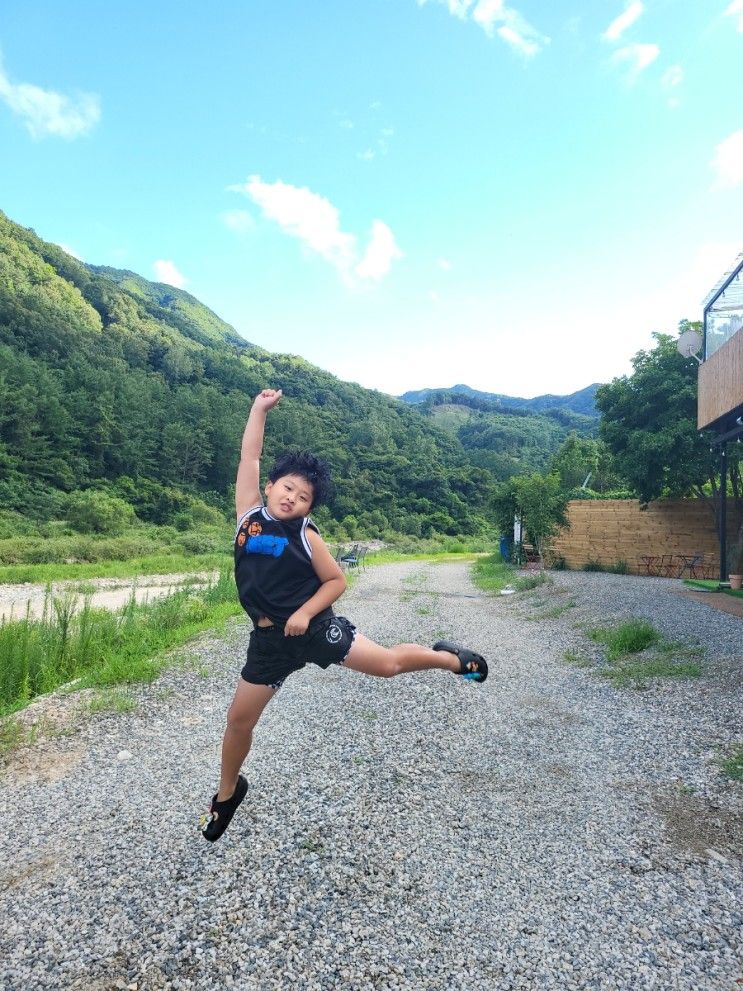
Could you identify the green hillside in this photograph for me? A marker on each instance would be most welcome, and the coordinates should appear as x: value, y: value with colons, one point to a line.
x: 505, y: 442
x: 111, y: 382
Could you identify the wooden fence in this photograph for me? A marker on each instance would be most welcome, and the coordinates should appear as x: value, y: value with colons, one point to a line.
x: 613, y: 530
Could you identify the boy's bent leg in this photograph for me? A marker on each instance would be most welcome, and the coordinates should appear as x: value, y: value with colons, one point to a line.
x: 386, y: 662
x: 247, y: 706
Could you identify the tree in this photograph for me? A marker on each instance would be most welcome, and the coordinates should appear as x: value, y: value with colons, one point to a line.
x: 582, y: 460
x: 538, y: 500
x: 649, y: 424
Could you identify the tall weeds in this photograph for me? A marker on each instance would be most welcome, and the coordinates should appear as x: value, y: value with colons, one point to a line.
x: 72, y: 639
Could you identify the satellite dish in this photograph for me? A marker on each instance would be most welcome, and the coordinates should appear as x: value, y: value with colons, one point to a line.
x: 689, y: 344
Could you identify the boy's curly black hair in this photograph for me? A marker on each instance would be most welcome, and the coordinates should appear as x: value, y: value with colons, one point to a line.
x: 312, y: 469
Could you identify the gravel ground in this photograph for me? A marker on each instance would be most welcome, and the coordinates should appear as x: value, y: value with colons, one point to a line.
x: 544, y: 831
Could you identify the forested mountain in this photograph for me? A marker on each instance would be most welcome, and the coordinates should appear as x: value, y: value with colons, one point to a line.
x: 582, y: 402
x: 108, y: 381
x: 505, y: 441
x: 113, y: 382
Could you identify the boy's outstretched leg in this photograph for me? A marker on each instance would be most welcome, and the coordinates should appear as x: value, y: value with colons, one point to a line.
x: 386, y: 662
x: 244, y: 712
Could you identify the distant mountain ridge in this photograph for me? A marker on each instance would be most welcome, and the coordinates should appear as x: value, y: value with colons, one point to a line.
x: 582, y: 401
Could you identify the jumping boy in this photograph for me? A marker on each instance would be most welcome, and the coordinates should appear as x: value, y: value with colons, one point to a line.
x: 287, y: 581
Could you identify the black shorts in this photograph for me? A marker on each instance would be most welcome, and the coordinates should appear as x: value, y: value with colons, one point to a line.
x: 272, y: 656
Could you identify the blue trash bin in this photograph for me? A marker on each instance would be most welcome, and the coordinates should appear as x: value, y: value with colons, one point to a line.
x: 505, y: 549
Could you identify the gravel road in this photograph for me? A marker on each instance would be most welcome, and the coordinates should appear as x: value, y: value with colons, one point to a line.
x: 546, y: 830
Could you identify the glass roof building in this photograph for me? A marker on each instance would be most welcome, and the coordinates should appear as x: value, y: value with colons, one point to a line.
x: 723, y: 309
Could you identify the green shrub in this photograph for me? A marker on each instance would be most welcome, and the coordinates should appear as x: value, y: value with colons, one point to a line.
x: 201, y: 543
x: 629, y: 637
x: 92, y: 511
x: 12, y: 524
x: 618, y: 568
x: 196, y: 514
x: 593, y: 565
x: 116, y: 548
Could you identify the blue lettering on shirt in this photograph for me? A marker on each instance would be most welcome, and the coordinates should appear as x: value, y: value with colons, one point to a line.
x: 266, y: 544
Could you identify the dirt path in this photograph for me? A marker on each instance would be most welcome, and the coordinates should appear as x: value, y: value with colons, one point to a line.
x: 16, y: 601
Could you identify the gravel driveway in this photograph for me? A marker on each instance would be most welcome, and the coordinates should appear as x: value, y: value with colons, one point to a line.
x: 545, y: 830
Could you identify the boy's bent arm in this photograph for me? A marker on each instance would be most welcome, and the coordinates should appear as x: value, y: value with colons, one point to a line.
x: 333, y: 586
x: 248, y: 483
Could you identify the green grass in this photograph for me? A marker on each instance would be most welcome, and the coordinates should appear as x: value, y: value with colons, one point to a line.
x: 573, y: 657
x: 556, y: 611
x: 526, y: 582
x: 103, y: 648
x: 158, y: 564
x: 491, y: 573
x: 629, y: 637
x: 12, y: 735
x: 442, y: 557
x: 712, y: 585
x: 639, y: 671
x: 111, y: 701
x: 733, y: 766
x: 636, y: 653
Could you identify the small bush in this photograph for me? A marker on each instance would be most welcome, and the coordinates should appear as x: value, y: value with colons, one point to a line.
x: 92, y: 511
x: 14, y: 525
x: 627, y: 638
x: 618, y: 568
x: 593, y: 565
x: 201, y: 543
x: 558, y: 563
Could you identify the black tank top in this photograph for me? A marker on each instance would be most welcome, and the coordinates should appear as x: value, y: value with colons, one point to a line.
x: 273, y: 566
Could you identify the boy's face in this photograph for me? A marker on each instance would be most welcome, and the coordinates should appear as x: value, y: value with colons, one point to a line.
x: 289, y: 497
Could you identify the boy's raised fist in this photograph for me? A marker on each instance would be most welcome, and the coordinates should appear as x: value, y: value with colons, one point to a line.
x: 268, y: 398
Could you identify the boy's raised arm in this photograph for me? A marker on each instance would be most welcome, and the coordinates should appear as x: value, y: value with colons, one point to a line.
x: 248, y: 486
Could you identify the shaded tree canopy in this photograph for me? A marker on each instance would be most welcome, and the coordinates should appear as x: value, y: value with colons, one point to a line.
x: 649, y: 424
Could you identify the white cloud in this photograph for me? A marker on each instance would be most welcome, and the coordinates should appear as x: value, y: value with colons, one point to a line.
x: 238, y: 220
x: 517, y: 41
x: 45, y: 112
x: 494, y: 17
x: 315, y: 222
x: 166, y: 271
x: 619, y: 25
x: 444, y: 264
x: 728, y: 161
x: 736, y: 10
x: 635, y: 58
x: 381, y: 251
x: 365, y: 156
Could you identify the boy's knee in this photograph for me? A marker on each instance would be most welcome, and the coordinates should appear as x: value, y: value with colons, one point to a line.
x: 239, y: 721
x: 392, y: 664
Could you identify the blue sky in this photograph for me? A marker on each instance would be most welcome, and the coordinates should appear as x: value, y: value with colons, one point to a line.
x: 513, y: 195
